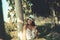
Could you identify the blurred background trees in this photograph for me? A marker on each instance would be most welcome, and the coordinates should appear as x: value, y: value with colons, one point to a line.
x: 46, y: 12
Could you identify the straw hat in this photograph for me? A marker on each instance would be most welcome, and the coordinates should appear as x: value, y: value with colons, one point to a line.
x: 31, y: 17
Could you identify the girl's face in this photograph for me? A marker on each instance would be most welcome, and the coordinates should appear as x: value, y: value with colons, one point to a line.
x: 29, y: 21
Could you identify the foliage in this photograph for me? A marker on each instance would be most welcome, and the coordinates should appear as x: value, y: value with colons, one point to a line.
x: 11, y: 29
x: 11, y: 3
x: 27, y: 10
x: 27, y: 7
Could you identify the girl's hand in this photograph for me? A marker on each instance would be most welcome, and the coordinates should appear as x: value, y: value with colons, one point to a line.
x: 18, y: 20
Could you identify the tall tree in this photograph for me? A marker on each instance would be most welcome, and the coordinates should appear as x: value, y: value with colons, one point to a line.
x: 53, y: 8
x: 3, y: 35
x: 19, y: 15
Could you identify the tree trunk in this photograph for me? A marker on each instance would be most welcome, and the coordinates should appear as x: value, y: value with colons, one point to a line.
x: 3, y: 35
x: 54, y: 16
x: 19, y: 15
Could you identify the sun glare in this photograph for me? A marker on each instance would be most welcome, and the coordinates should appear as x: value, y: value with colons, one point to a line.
x: 5, y: 10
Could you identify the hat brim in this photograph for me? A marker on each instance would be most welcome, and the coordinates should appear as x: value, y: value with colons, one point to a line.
x: 30, y: 19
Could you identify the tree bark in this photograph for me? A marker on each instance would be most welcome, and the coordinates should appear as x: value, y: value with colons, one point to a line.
x: 19, y: 15
x: 54, y: 16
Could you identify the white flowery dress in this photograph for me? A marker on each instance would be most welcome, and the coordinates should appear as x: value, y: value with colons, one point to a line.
x: 30, y: 35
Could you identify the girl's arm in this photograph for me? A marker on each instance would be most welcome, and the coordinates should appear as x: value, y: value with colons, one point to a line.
x: 24, y: 32
x: 36, y: 32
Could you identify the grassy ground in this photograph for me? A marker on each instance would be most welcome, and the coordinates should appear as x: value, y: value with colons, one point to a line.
x: 44, y: 28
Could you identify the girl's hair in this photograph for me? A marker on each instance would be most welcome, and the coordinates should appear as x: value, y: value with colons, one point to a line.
x: 32, y: 24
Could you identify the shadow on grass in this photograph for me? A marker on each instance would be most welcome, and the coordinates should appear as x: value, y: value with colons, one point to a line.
x: 49, y: 33
x: 54, y: 34
x: 43, y: 30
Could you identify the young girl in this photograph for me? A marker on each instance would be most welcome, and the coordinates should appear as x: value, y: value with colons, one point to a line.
x: 29, y: 30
